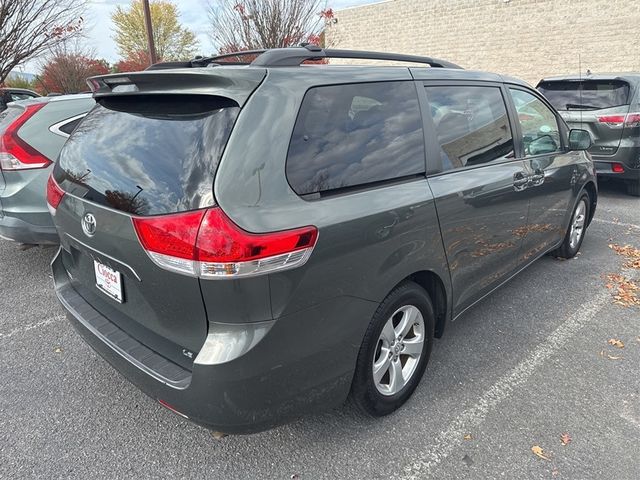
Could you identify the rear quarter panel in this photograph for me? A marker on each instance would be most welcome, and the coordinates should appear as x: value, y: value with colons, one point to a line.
x: 368, y: 242
x: 36, y: 130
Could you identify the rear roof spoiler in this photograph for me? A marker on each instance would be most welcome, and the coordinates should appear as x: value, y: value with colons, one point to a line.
x: 234, y: 83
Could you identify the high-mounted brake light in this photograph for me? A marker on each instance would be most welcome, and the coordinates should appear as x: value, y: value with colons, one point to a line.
x: 54, y: 194
x: 15, y: 153
x: 620, y: 120
x: 207, y: 244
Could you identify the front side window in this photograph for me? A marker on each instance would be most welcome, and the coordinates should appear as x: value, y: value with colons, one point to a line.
x: 353, y: 135
x: 471, y: 124
x: 540, y: 132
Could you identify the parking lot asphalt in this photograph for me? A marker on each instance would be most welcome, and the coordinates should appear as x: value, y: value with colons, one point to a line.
x: 528, y: 364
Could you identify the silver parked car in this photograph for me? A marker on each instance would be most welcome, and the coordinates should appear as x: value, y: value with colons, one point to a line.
x: 32, y: 133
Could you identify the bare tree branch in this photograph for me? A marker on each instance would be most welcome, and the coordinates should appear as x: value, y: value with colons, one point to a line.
x: 255, y: 24
x: 28, y: 28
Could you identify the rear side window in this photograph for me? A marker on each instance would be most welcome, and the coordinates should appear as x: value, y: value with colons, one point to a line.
x: 69, y: 127
x: 471, y: 124
x: 353, y: 135
x: 586, y: 94
x: 147, y: 155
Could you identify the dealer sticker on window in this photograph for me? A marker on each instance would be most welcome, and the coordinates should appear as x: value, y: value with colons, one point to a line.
x: 108, y: 281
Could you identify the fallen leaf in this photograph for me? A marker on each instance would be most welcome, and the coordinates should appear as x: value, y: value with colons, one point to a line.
x: 616, y: 343
x: 565, y: 438
x: 538, y: 452
x: 613, y: 357
x: 57, y: 350
x: 218, y: 435
x: 602, y: 353
x: 624, y: 290
x: 467, y: 436
x: 630, y: 252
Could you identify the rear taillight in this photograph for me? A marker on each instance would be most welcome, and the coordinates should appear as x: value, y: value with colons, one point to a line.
x: 54, y: 194
x: 620, y: 120
x: 633, y: 120
x: 207, y: 244
x: 15, y: 153
x: 617, y: 168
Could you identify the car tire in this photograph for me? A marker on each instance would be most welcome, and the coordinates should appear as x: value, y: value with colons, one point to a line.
x: 577, y: 228
x: 404, y: 322
x: 633, y: 188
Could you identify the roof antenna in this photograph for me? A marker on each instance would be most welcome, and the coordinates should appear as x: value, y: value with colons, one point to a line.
x: 580, y: 89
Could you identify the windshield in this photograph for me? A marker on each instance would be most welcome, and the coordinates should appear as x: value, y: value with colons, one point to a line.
x: 585, y: 94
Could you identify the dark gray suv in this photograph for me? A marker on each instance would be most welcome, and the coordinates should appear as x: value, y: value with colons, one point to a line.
x: 608, y: 106
x: 247, y: 243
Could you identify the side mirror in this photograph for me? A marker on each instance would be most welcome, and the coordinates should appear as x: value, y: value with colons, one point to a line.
x: 579, y: 139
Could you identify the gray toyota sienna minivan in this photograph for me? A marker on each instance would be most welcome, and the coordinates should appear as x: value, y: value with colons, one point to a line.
x: 250, y: 242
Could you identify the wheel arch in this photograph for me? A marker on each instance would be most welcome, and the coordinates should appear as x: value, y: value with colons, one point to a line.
x: 592, y: 191
x: 435, y: 287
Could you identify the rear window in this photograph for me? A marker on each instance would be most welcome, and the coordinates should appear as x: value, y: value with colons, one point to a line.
x: 148, y: 156
x: 354, y: 135
x: 586, y: 94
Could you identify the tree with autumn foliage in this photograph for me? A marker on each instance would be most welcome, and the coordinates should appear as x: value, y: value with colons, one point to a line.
x: 238, y: 25
x: 67, y: 68
x: 172, y: 41
x: 29, y: 28
x: 135, y: 62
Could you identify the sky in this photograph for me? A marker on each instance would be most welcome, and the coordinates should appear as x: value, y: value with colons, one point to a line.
x: 193, y: 15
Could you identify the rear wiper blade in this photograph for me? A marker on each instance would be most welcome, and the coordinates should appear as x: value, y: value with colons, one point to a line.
x: 581, y: 107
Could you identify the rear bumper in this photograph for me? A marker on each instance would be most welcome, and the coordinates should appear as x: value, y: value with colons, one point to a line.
x: 296, y: 364
x: 16, y: 229
x: 628, y: 157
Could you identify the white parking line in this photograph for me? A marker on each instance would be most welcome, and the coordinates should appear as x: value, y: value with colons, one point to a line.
x: 447, y: 440
x: 26, y: 328
x: 611, y: 222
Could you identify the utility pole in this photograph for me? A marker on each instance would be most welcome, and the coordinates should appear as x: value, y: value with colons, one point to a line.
x: 147, y: 22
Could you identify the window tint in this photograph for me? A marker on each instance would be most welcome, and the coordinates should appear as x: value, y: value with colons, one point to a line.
x: 471, y: 124
x: 69, y: 127
x: 348, y: 135
x: 585, y: 95
x: 150, y: 160
x: 540, y: 133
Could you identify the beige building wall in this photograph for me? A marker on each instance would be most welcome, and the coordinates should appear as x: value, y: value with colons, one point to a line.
x: 529, y: 39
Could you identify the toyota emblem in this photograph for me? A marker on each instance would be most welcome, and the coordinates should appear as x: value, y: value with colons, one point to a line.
x: 89, y: 224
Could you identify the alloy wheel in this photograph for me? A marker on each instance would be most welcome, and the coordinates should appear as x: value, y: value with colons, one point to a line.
x: 398, y: 350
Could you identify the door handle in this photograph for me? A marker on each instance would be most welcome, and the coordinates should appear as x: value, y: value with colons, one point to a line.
x: 537, y: 178
x: 520, y: 181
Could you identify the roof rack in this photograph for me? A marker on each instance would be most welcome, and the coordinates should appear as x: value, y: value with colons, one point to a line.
x: 294, y: 56
x: 288, y: 57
